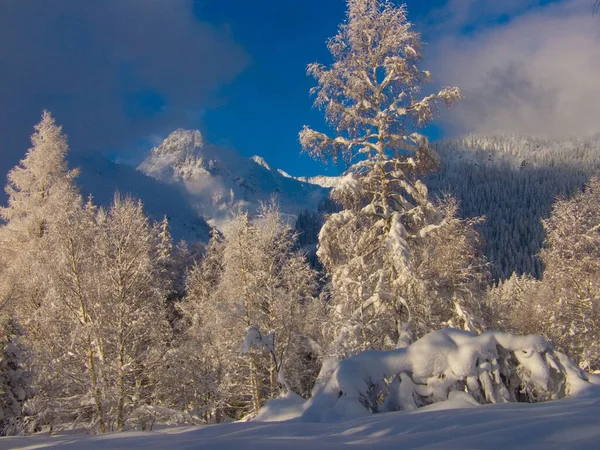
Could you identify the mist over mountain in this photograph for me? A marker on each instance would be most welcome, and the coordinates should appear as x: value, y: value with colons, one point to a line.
x: 102, y: 178
x: 218, y: 180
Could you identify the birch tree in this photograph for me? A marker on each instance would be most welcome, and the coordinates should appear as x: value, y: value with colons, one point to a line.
x: 135, y: 330
x: 253, y: 277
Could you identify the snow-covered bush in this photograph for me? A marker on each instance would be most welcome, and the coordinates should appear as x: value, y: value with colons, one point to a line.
x: 449, y: 364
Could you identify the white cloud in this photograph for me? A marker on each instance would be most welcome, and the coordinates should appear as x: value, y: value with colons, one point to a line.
x: 111, y: 71
x: 538, y: 73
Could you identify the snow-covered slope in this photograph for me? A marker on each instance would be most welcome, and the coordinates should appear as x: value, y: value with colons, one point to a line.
x: 101, y: 178
x: 573, y: 423
x: 218, y: 180
x: 319, y: 180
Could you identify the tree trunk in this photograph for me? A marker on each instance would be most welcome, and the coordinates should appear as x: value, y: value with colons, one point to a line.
x: 121, y: 383
x: 96, y: 388
x: 255, y: 385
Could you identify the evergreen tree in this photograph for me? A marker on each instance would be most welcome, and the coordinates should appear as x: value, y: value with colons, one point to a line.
x: 41, y: 183
x: 38, y: 189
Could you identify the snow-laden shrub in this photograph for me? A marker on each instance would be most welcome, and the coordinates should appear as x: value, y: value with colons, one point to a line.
x: 494, y: 367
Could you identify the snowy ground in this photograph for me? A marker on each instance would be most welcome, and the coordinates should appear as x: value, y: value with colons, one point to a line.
x: 565, y: 424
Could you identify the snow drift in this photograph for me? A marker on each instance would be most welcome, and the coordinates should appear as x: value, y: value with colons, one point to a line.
x: 449, y: 364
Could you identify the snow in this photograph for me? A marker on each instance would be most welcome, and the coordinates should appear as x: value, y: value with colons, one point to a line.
x: 572, y: 423
x: 321, y: 180
x: 254, y: 338
x: 261, y: 162
x: 216, y: 180
x: 286, y: 407
x: 101, y: 178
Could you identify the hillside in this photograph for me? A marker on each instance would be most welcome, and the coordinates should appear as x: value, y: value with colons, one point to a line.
x: 513, y: 181
x: 101, y: 178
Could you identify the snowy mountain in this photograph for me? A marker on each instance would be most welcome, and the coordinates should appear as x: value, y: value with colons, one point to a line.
x: 217, y: 180
x: 319, y: 180
x: 101, y: 178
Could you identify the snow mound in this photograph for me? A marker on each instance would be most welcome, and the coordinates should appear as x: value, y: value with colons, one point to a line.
x: 286, y: 407
x: 445, y: 366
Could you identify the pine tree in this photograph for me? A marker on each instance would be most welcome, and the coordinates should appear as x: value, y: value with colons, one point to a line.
x: 42, y: 197
x: 38, y: 188
x: 41, y: 183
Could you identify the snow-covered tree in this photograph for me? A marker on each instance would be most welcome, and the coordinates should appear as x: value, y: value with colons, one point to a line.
x: 38, y: 189
x: 513, y: 180
x: 286, y: 288
x: 134, y: 326
x: 564, y: 306
x: 15, y: 379
x: 571, y: 304
x: 374, y: 249
x: 64, y: 332
x: 196, y: 378
x: 371, y: 92
x: 173, y: 262
x: 251, y: 276
x: 42, y: 196
x: 512, y: 303
x: 41, y: 183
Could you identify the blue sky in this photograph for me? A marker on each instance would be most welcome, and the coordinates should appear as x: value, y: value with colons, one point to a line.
x: 121, y: 74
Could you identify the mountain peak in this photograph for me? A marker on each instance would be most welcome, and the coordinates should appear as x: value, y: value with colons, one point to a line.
x: 261, y: 161
x: 218, y: 180
x: 180, y: 141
